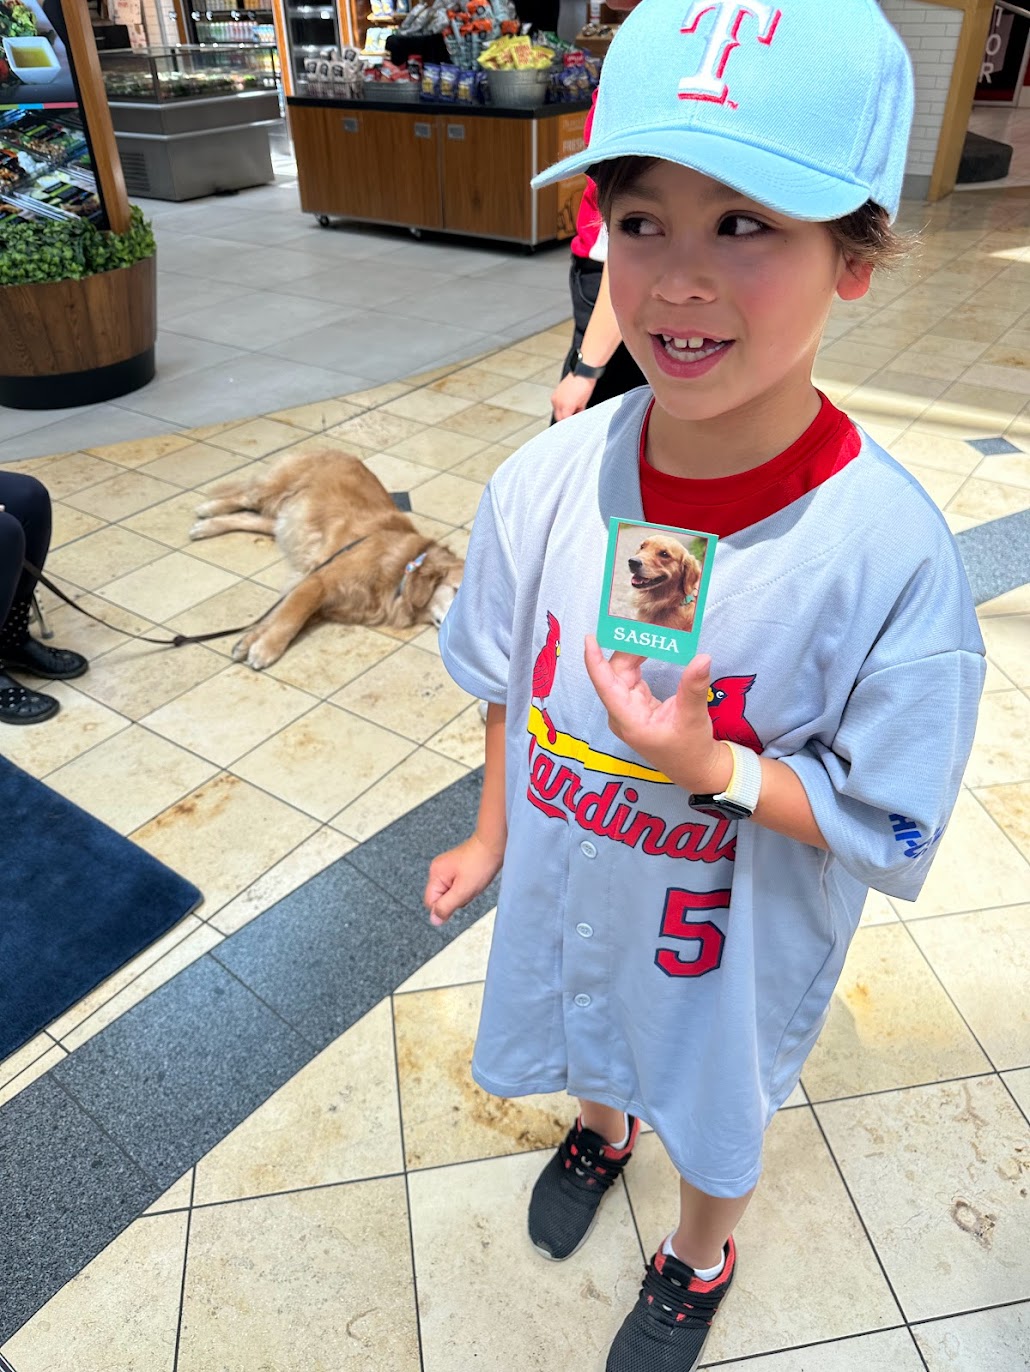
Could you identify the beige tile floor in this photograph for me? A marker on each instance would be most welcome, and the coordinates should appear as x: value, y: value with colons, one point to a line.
x: 371, y: 1214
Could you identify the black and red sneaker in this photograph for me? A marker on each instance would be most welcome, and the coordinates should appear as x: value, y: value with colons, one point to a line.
x: 667, y: 1328
x: 569, y: 1190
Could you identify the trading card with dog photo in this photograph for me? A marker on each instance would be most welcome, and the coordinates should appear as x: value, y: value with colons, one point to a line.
x: 655, y: 584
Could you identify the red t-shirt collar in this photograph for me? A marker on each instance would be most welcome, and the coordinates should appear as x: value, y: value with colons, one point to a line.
x: 724, y: 505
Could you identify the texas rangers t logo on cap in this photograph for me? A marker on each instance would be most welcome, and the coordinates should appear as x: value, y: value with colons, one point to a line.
x: 707, y: 82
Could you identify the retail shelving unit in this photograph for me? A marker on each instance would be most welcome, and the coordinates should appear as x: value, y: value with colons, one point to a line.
x: 453, y: 168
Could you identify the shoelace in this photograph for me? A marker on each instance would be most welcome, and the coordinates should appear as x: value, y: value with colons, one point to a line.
x: 585, y: 1165
x: 673, y: 1303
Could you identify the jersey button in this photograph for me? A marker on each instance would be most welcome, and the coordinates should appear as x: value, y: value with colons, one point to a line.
x: 588, y: 849
x: 584, y: 930
x: 582, y: 1000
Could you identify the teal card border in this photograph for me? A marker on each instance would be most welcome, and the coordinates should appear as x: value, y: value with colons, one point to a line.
x: 635, y: 635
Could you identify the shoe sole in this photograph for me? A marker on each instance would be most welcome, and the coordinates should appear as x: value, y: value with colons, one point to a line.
x: 32, y: 719
x: 46, y: 676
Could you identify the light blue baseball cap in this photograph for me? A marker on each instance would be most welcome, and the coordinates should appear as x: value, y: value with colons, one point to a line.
x: 801, y: 105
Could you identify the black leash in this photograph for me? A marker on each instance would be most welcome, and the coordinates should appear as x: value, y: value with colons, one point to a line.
x: 180, y: 639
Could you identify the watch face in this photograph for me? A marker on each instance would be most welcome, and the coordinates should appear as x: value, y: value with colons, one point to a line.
x: 720, y: 809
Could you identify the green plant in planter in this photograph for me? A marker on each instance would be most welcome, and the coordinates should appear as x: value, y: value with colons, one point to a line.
x: 32, y: 251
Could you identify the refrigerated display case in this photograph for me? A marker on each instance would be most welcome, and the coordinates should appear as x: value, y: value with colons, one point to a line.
x: 192, y: 121
x: 45, y: 166
x: 310, y: 30
x: 248, y: 24
x: 188, y: 71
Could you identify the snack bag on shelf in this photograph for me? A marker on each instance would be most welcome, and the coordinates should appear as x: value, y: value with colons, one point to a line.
x: 448, y: 82
x: 430, y: 81
x: 387, y: 72
x: 511, y: 53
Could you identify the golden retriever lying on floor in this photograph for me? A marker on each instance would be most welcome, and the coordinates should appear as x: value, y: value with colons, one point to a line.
x: 665, y: 579
x: 315, y: 505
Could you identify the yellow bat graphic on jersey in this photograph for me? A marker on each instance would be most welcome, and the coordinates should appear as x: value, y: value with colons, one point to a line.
x: 564, y: 745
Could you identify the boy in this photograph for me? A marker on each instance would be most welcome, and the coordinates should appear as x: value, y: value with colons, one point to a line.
x: 687, y: 851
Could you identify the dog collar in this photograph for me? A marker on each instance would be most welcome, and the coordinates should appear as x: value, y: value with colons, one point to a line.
x: 410, y: 567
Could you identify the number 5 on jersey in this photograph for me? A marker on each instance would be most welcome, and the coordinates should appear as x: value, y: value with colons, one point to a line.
x: 707, y: 938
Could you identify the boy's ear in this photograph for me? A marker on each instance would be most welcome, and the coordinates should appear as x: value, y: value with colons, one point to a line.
x: 854, y: 279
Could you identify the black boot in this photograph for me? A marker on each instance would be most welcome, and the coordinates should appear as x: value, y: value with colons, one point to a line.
x: 19, y: 705
x: 23, y: 653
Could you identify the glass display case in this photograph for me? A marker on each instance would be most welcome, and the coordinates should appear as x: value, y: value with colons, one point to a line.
x: 188, y: 72
x: 193, y: 120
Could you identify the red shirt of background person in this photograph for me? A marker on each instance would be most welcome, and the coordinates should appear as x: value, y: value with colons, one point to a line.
x: 596, y: 341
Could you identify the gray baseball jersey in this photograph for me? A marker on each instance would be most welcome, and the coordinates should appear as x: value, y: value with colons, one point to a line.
x: 648, y: 956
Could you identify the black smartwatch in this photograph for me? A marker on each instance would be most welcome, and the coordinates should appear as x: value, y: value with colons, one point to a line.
x: 581, y: 368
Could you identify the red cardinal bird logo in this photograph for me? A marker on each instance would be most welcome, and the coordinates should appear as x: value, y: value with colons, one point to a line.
x: 543, y: 673
x: 726, y: 711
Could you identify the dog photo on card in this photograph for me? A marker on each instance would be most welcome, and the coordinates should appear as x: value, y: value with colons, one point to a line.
x: 655, y: 584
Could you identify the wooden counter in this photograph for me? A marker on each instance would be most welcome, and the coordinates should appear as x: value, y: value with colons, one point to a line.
x: 454, y: 168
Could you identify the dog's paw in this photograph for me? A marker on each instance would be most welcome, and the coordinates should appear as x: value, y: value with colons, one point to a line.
x: 482, y: 710
x: 208, y: 508
x: 260, y: 657
x: 257, y: 651
x: 200, y: 529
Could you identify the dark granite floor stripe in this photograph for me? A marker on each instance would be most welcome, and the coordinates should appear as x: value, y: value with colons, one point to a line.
x: 91, y: 1144
x: 997, y: 555
x: 66, y: 1190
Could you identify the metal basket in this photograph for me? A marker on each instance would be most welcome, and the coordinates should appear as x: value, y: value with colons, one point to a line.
x: 398, y: 92
x: 519, y: 89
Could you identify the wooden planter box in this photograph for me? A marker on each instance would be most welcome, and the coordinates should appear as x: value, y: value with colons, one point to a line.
x: 78, y: 342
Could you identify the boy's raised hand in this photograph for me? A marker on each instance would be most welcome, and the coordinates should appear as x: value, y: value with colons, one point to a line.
x: 675, y: 735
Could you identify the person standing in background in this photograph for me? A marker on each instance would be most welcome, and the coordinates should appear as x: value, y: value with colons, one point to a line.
x: 598, y: 365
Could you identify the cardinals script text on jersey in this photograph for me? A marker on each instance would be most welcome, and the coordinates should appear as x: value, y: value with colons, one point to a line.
x: 611, y: 810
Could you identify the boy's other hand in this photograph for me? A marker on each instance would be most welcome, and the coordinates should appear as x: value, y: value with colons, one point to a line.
x: 571, y: 395
x: 675, y: 735
x: 458, y: 876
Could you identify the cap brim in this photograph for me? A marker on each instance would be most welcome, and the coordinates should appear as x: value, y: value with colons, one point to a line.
x: 766, y: 177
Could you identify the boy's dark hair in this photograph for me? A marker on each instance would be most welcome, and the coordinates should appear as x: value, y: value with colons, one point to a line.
x: 865, y: 234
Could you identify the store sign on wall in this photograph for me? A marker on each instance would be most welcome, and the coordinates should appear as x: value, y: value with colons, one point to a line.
x: 1003, y: 57
x: 46, y: 167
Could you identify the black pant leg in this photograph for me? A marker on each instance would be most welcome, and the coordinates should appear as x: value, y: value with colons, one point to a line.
x: 27, y: 501
x: 12, y: 550
x: 621, y: 374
